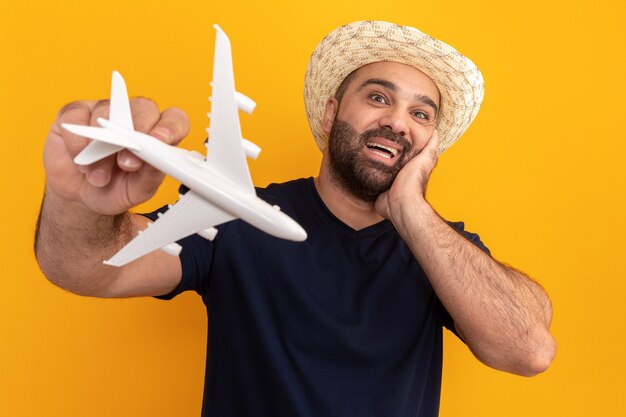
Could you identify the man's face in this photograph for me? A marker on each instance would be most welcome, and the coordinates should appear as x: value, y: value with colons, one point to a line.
x: 386, y: 116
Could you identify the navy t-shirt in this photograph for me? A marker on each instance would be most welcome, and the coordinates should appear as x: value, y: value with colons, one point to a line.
x: 342, y: 324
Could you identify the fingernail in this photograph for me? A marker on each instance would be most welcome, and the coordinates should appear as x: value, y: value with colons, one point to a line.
x: 99, y: 177
x: 127, y: 160
x: 162, y: 133
x: 82, y: 168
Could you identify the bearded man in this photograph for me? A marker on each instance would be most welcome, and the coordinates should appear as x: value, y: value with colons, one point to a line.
x: 348, y: 323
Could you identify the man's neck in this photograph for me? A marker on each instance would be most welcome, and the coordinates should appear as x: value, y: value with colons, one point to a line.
x: 350, y: 210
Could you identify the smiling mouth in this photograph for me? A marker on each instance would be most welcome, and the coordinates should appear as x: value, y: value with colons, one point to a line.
x: 384, y: 151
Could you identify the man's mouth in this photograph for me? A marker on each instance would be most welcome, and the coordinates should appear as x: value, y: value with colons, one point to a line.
x: 382, y: 150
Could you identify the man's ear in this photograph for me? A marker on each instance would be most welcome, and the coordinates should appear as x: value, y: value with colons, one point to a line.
x: 329, y: 114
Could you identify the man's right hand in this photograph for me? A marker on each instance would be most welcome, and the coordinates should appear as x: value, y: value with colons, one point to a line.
x: 84, y: 217
x: 117, y: 183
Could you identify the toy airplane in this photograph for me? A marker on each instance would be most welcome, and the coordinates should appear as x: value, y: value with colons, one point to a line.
x: 220, y: 187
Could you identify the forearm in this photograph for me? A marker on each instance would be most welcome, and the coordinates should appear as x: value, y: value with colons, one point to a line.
x: 502, y: 314
x: 72, y: 241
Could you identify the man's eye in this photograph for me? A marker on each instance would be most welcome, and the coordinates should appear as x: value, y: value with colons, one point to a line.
x: 379, y: 98
x: 421, y: 115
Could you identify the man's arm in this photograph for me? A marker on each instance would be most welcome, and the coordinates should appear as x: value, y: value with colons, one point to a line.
x: 502, y: 315
x: 84, y: 216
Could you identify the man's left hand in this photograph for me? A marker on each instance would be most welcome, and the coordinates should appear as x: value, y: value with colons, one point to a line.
x: 409, y: 187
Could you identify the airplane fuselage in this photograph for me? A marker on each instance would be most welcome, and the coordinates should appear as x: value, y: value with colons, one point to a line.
x: 191, y: 170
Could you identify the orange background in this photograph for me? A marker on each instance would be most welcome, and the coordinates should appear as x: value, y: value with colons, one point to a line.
x: 539, y: 176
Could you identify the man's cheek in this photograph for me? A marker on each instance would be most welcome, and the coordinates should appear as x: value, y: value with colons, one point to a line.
x: 410, y: 155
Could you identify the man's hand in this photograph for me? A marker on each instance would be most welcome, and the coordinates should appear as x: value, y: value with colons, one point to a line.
x: 84, y: 217
x: 410, y: 184
x: 117, y: 183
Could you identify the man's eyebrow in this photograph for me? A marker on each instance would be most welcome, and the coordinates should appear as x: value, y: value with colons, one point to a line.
x: 392, y: 87
x: 427, y: 100
x: 384, y: 83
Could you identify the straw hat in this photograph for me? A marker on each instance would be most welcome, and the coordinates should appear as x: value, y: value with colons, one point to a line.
x: 349, y: 47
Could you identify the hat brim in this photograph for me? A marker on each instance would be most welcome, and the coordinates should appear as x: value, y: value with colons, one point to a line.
x: 352, y: 46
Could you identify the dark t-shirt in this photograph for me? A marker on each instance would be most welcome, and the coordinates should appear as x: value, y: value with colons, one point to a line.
x: 342, y: 324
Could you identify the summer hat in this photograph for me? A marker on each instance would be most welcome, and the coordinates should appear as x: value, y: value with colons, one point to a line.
x: 351, y: 46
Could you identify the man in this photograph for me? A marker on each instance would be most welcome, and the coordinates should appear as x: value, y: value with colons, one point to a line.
x: 350, y: 321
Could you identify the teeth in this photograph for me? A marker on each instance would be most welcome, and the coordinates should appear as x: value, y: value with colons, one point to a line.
x: 392, y: 151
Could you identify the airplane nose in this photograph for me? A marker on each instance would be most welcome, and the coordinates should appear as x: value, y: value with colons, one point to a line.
x: 300, y: 234
x: 295, y: 232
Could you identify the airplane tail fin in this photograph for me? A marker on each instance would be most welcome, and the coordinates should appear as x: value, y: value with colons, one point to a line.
x: 119, y: 113
x: 107, y: 140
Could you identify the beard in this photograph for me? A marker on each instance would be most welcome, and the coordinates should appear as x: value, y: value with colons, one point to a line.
x: 354, y: 172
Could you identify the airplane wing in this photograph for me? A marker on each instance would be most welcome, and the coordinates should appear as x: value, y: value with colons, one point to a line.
x: 225, y: 150
x: 189, y: 215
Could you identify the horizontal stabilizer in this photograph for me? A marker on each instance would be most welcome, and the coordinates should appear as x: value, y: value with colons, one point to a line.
x: 101, y: 134
x: 106, y: 136
x: 95, y: 151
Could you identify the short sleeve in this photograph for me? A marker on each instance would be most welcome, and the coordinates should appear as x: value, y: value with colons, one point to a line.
x: 472, y: 237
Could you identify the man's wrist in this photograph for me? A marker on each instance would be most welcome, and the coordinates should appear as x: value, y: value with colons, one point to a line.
x: 414, y: 214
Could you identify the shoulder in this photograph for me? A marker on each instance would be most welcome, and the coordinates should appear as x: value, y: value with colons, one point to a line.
x: 285, y: 190
x: 293, y: 197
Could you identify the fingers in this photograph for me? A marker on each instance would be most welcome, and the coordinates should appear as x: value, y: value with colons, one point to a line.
x: 431, y: 150
x: 85, y: 113
x: 172, y: 127
x: 78, y: 112
x: 428, y: 155
x: 98, y: 174
x: 145, y: 114
x: 62, y: 146
x: 431, y: 145
x: 428, y: 160
x: 416, y: 172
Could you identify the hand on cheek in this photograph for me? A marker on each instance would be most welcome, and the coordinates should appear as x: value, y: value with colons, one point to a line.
x: 410, y: 184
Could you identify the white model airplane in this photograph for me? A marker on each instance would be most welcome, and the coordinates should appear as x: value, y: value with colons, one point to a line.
x: 220, y: 187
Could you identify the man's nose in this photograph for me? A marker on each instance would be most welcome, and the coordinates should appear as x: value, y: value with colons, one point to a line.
x: 394, y: 119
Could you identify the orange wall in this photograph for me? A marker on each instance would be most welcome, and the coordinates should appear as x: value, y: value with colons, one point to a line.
x: 540, y: 175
